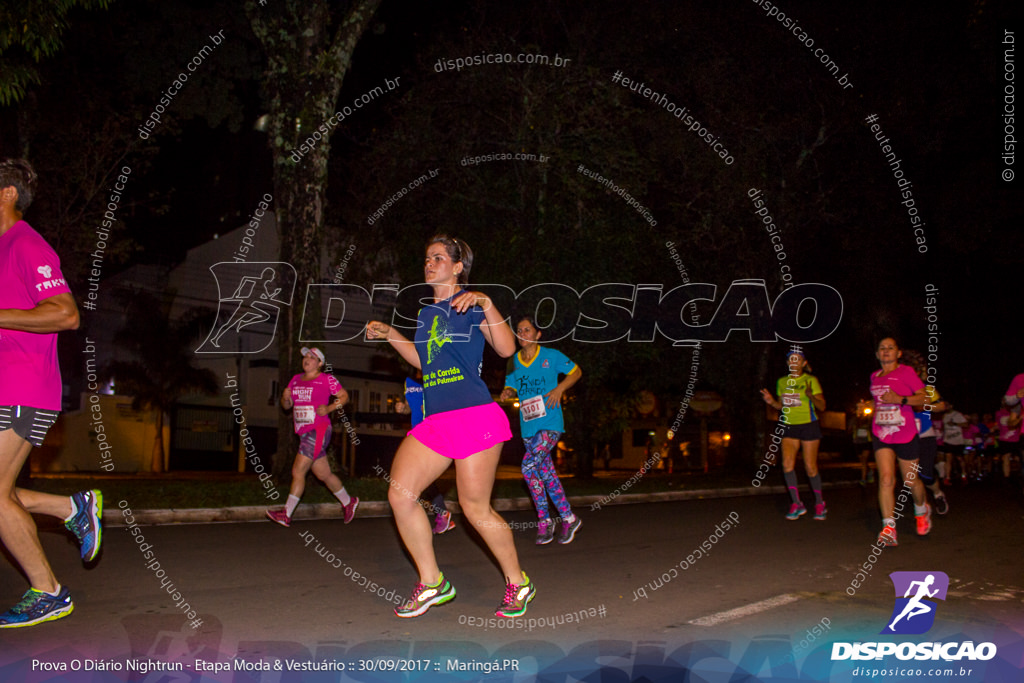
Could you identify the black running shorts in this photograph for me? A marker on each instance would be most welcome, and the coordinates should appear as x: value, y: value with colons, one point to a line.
x: 29, y: 423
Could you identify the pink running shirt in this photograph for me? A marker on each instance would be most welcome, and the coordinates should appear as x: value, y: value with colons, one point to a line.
x: 1006, y: 432
x: 306, y: 396
x: 971, y: 435
x: 29, y: 273
x: 893, y: 422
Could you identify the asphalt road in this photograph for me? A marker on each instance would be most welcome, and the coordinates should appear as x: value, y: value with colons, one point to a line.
x: 769, y: 591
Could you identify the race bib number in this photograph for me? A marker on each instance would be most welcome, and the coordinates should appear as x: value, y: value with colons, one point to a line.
x: 532, y: 408
x: 304, y: 415
x: 889, y: 415
x: 790, y: 400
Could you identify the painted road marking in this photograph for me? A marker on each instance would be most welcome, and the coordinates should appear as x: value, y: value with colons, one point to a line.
x: 745, y: 611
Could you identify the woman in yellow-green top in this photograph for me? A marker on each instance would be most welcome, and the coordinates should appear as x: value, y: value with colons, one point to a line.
x: 800, y: 402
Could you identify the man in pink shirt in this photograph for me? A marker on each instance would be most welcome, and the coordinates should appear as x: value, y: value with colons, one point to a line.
x: 35, y: 304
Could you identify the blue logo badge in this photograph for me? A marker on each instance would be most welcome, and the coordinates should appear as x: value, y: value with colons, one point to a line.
x: 914, y: 612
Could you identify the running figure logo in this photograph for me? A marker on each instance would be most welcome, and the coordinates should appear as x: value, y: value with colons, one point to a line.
x: 438, y: 337
x: 913, y: 614
x: 258, y: 292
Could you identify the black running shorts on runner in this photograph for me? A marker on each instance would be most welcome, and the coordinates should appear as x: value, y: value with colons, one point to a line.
x: 1009, y: 448
x: 29, y: 423
x: 904, y: 451
x: 809, y: 431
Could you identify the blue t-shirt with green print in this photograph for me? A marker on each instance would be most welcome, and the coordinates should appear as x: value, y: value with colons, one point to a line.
x: 451, y: 350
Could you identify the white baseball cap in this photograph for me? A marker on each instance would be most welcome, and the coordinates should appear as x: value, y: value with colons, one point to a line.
x: 306, y: 350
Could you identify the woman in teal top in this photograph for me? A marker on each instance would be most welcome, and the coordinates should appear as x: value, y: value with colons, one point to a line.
x: 533, y: 376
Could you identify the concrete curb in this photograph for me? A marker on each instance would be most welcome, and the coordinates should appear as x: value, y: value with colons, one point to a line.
x: 113, y: 516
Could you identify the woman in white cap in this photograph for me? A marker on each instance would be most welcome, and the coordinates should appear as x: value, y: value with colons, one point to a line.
x: 311, y: 396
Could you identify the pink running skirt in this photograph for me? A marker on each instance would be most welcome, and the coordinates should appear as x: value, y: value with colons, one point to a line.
x: 458, y: 434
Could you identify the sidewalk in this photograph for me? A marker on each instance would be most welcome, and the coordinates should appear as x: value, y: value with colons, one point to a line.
x: 113, y: 516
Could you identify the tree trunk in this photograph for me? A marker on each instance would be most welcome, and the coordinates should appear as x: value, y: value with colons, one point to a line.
x: 308, y: 54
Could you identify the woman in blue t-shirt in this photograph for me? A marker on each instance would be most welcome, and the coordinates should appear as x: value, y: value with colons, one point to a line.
x: 461, y: 423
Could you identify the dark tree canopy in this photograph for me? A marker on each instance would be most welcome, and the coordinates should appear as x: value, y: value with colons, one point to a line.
x: 31, y: 30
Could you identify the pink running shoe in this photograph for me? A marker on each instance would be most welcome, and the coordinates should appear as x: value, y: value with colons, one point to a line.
x: 796, y: 510
x: 350, y: 509
x: 279, y: 516
x: 924, y: 522
x: 443, y: 522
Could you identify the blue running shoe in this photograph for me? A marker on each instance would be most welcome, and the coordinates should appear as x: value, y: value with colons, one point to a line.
x: 85, y: 523
x: 36, y: 607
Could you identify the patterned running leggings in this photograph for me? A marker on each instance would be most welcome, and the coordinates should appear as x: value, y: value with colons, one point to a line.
x: 539, y: 471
